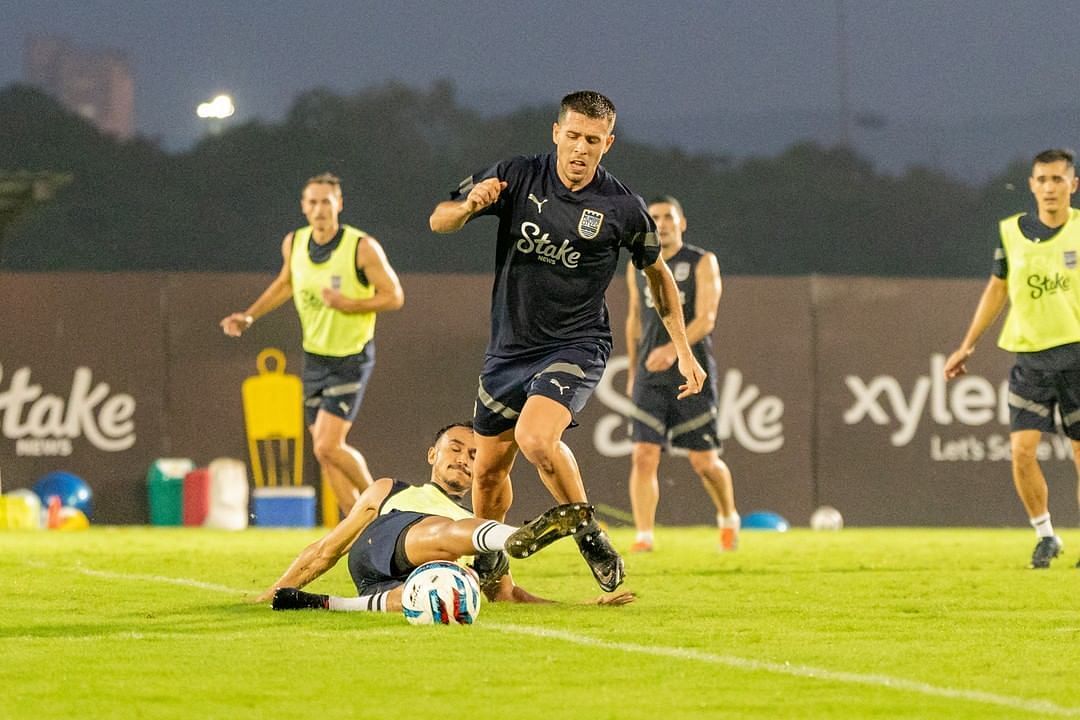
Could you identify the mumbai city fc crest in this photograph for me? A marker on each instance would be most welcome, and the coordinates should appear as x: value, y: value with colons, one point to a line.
x: 1070, y: 259
x: 681, y: 271
x: 588, y: 226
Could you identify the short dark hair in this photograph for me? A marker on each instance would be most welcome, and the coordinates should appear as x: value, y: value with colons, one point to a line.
x: 467, y: 424
x: 668, y: 200
x: 1055, y: 155
x: 326, y: 178
x: 589, y: 103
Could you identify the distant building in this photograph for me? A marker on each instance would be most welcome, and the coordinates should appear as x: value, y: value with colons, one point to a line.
x: 98, y: 84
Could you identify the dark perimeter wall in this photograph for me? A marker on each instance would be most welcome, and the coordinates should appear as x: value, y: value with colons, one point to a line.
x: 830, y: 393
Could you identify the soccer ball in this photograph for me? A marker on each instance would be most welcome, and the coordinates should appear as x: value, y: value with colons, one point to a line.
x: 827, y: 517
x: 441, y: 593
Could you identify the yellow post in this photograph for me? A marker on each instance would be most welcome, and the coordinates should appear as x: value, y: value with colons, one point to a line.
x: 274, y: 416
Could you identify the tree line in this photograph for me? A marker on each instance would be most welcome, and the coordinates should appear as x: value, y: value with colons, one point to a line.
x: 225, y: 204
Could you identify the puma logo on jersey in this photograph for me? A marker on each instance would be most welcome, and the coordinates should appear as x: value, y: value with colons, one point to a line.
x: 562, y: 388
x: 539, y: 203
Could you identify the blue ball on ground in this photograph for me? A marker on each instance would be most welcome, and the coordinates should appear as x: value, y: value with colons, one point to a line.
x: 69, y: 487
x: 765, y: 520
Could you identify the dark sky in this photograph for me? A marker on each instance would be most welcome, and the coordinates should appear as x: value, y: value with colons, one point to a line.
x: 940, y: 61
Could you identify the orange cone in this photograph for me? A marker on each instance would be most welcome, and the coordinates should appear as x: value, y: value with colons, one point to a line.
x: 54, y: 512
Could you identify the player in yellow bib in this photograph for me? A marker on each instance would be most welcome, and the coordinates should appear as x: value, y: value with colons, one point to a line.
x: 339, y: 279
x: 1035, y: 270
x: 395, y: 527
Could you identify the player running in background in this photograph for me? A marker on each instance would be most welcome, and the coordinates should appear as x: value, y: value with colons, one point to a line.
x: 339, y: 278
x: 395, y: 528
x: 660, y: 419
x: 1035, y: 270
x: 562, y: 222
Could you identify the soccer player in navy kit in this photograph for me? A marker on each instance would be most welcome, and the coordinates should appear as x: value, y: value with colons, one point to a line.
x: 659, y: 419
x: 562, y: 221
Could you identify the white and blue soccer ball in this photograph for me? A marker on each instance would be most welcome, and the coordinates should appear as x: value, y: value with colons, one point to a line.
x: 441, y: 593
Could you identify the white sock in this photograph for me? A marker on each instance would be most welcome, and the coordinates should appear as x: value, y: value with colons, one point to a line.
x: 491, y: 536
x: 1042, y: 525
x: 376, y: 602
x: 728, y: 521
x: 644, y: 536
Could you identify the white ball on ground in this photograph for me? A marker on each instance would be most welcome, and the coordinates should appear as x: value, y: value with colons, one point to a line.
x: 826, y: 517
x: 441, y: 593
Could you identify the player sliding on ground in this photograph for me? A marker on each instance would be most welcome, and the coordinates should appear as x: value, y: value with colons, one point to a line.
x: 395, y: 527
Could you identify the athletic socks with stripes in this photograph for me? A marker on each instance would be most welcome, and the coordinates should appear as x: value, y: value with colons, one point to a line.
x: 1042, y: 525
x: 375, y: 602
x: 491, y: 536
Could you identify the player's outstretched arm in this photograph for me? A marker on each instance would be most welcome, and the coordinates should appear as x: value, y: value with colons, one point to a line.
x: 706, y: 299
x: 271, y: 298
x: 993, y: 299
x: 633, y: 327
x: 451, y: 215
x: 666, y: 299
x: 321, y: 555
x: 507, y: 591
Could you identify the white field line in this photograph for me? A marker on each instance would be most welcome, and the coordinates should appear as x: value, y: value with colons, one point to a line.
x: 1029, y: 705
x: 186, y: 582
x: 875, y: 680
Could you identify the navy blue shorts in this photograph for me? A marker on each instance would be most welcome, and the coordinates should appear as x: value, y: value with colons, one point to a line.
x: 1041, y: 381
x: 336, y: 384
x: 660, y: 418
x: 567, y: 375
x: 377, y: 560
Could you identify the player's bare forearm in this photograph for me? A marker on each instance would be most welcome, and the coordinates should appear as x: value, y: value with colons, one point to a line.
x: 632, y: 340
x: 380, y: 302
x: 450, y: 216
x: 666, y: 300
x: 991, y: 303
x: 521, y: 595
x: 323, y: 554
x: 307, y: 567
x: 706, y: 299
x: 505, y: 590
x: 272, y: 298
x: 699, y: 329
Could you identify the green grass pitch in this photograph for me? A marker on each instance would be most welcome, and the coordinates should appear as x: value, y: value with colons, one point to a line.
x: 864, y: 623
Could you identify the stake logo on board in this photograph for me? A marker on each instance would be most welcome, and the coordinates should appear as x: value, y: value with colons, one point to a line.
x: 43, y: 424
x: 744, y: 414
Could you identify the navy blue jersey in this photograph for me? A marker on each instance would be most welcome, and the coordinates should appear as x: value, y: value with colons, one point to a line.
x: 683, y: 265
x: 556, y: 253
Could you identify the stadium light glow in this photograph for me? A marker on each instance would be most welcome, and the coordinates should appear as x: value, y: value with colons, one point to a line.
x: 219, y: 108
